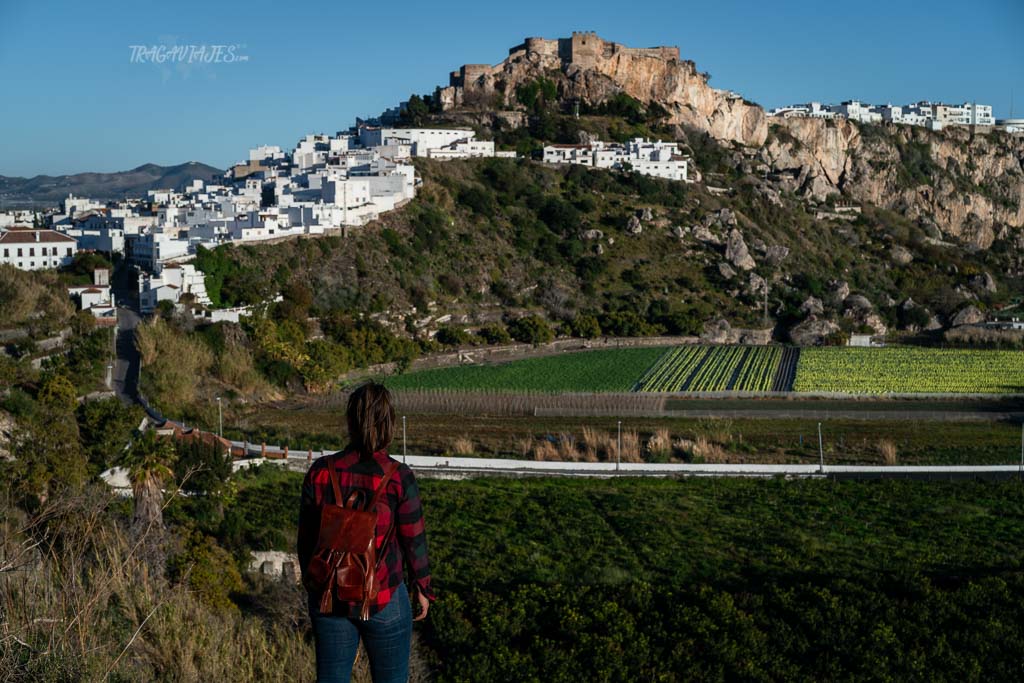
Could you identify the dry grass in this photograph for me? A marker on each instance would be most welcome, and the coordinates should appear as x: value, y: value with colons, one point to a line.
x: 79, y: 601
x: 631, y: 446
x: 567, y: 448
x: 659, y: 446
x: 887, y: 449
x: 709, y: 451
x: 525, y: 446
x: 545, y: 450
x: 463, y: 446
x: 597, y: 444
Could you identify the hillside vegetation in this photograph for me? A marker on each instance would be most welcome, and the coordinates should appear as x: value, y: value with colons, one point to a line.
x: 494, y: 249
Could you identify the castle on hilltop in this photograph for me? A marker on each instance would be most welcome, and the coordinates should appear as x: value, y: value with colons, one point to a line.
x: 584, y: 49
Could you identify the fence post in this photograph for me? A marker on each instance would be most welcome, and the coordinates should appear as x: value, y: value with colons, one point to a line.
x: 821, y: 451
x: 618, y: 451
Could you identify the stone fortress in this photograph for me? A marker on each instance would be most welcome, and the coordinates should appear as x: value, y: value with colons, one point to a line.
x: 588, y: 68
x: 583, y: 50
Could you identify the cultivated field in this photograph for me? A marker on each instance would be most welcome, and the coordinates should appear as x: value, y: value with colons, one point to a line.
x: 586, y: 371
x: 712, y: 368
x: 697, y: 369
x: 909, y: 370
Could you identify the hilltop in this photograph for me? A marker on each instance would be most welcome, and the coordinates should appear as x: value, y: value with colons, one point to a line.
x: 961, y: 183
x: 47, y: 190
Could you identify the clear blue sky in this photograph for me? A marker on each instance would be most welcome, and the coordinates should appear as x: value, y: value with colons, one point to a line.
x: 72, y: 101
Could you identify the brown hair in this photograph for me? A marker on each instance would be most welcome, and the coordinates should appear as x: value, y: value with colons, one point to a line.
x: 371, y: 418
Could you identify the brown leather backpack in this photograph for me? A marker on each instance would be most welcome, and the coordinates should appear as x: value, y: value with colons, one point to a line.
x: 344, y: 562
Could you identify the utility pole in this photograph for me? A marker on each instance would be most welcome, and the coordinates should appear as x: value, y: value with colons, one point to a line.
x: 766, y: 301
x: 1020, y: 470
x: 220, y: 419
x: 405, y: 453
x: 618, y: 451
x: 821, y: 451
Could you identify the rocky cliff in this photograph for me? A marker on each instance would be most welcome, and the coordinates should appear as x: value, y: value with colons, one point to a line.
x: 590, y: 70
x: 960, y: 186
x: 956, y: 183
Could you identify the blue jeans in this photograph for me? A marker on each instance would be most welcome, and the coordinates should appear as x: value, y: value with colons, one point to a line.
x: 387, y: 636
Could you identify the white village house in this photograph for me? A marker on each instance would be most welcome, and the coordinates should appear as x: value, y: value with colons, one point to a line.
x: 36, y: 249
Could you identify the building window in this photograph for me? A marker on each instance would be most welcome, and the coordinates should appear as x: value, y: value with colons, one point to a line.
x: 19, y: 252
x: 7, y: 253
x: 69, y: 251
x: 31, y: 251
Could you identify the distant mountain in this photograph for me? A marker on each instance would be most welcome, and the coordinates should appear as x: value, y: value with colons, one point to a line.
x: 44, y: 190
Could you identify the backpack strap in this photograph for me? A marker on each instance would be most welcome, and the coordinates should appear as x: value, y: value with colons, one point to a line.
x: 389, y: 471
x: 334, y: 480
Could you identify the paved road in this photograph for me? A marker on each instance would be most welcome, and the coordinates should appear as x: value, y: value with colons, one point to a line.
x: 126, y: 366
x: 444, y: 467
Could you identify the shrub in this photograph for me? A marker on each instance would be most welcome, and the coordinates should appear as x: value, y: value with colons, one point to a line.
x: 531, y: 329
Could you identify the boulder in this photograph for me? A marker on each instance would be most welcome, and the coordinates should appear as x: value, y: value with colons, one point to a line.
x: 634, y: 226
x: 679, y: 232
x: 901, y: 256
x: 726, y: 270
x: 812, y: 306
x: 646, y: 215
x: 717, y: 332
x: 598, y: 249
x: 812, y: 332
x: 703, y: 234
x: 736, y: 251
x: 776, y: 254
x: 969, y: 315
x: 756, y: 285
x: 727, y: 217
x: 875, y: 322
x: 984, y: 281
x: 839, y: 290
x: 857, y: 302
x: 592, y: 235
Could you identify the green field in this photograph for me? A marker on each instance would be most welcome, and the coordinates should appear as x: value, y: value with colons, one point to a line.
x: 711, y: 579
x: 910, y: 370
x: 605, y: 370
x: 686, y: 369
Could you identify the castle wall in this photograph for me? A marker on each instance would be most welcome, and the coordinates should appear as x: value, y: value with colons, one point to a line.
x: 541, y: 46
x: 586, y: 49
x: 469, y: 73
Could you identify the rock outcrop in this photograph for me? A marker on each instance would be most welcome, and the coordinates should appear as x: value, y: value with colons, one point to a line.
x: 812, y: 332
x: 736, y: 251
x: 591, y: 70
x: 967, y: 185
x: 969, y: 315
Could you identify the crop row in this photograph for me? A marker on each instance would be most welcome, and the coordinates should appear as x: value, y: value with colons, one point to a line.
x: 713, y: 368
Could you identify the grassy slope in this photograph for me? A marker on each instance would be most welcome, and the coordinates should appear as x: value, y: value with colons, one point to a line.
x: 489, y: 233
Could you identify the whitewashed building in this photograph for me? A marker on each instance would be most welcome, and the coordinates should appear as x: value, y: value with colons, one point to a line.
x: 653, y: 158
x: 170, y: 285
x: 36, y: 249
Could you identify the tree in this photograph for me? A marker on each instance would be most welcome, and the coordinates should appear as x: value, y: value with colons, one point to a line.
x: 585, y: 326
x: 48, y: 457
x: 149, y: 461
x: 416, y: 111
x: 106, y: 428
x: 531, y: 329
x: 58, y: 393
x: 494, y: 333
x: 450, y: 335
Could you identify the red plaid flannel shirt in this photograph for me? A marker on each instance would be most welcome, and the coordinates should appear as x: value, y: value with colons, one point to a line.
x: 402, y: 498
